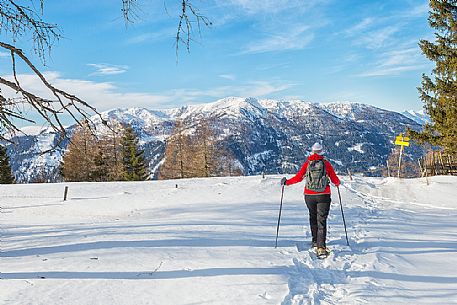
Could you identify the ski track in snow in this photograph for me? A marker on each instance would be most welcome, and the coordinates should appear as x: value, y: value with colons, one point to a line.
x: 211, y: 242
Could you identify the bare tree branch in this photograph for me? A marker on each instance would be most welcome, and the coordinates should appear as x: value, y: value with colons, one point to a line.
x: 188, y: 15
x: 19, y: 20
x: 50, y: 110
x: 130, y: 11
x: 185, y: 24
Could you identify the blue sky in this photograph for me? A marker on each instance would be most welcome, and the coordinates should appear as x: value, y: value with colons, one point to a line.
x: 315, y: 50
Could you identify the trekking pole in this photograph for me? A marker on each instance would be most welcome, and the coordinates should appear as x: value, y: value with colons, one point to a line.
x: 279, y: 218
x: 342, y: 213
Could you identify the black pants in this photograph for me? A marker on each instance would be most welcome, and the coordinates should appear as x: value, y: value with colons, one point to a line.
x: 318, y: 206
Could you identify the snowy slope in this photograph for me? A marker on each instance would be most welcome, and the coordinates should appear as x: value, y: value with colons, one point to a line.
x: 418, y: 116
x: 211, y: 241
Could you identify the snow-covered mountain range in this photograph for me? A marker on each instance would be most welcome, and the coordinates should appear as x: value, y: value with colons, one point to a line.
x: 272, y: 136
x: 419, y: 116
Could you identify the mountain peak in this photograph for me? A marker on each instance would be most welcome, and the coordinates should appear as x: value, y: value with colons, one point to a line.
x: 419, y: 117
x: 229, y: 106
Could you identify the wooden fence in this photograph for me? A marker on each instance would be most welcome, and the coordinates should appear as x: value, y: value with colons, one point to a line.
x: 438, y: 163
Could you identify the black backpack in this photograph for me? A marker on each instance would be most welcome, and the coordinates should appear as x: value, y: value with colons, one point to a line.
x: 316, y: 176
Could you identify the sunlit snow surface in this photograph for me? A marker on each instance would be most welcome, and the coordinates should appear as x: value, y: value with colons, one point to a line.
x: 211, y: 241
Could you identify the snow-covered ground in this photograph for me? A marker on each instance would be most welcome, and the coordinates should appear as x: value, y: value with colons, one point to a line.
x: 211, y: 241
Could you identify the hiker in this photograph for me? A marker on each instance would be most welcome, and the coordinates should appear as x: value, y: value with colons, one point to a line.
x: 317, y: 171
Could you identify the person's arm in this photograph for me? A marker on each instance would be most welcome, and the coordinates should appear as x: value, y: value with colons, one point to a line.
x: 299, y: 176
x: 331, y: 174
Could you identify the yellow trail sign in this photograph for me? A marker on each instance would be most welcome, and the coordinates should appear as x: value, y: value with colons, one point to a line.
x: 400, y: 138
x: 402, y: 143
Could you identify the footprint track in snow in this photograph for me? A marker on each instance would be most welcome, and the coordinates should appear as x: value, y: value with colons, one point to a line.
x: 315, y: 281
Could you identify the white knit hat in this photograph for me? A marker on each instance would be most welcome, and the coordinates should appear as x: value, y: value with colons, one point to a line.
x: 317, y: 147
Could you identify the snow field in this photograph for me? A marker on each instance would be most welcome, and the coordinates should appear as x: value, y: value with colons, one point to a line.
x: 211, y: 241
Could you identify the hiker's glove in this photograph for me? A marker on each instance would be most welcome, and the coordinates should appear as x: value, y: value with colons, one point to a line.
x: 283, y: 181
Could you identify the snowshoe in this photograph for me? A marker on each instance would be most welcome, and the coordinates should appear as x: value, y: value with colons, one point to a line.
x: 322, y: 253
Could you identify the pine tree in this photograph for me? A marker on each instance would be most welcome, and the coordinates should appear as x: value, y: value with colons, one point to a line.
x: 100, y: 172
x: 6, y: 177
x: 132, y: 157
x: 440, y: 93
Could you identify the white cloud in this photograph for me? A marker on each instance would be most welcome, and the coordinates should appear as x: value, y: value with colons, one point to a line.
x: 106, y: 69
x: 227, y: 76
x: 404, y: 58
x: 420, y: 10
x: 251, y: 89
x: 274, y: 25
x: 295, y: 38
x: 102, y: 95
x: 360, y: 27
x: 397, y: 57
x: 263, y: 88
x: 378, y: 38
x: 393, y: 70
x: 168, y: 32
x: 381, y: 32
x: 389, y: 44
x: 269, y: 6
x: 4, y: 54
x: 105, y: 95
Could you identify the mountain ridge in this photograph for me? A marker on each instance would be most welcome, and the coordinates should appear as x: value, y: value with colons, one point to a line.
x: 265, y: 135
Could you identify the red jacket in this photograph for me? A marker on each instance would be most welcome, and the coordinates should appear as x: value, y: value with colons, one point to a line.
x: 301, y: 174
